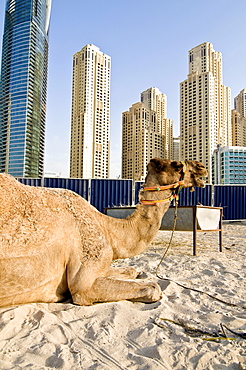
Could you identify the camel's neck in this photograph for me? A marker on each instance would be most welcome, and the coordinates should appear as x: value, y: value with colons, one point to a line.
x: 133, y: 235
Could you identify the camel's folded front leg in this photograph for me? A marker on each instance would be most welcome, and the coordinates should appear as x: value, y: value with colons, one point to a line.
x: 122, y: 272
x: 107, y: 289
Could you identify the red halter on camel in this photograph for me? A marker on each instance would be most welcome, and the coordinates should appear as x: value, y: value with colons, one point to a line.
x: 177, y: 186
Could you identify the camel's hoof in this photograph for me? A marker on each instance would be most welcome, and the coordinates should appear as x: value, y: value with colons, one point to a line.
x: 153, y: 293
x: 142, y: 275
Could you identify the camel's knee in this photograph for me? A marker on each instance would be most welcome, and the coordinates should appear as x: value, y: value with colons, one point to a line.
x: 82, y: 299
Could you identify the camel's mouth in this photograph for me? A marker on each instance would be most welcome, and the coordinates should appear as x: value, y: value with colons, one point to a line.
x: 199, y: 182
x: 197, y: 175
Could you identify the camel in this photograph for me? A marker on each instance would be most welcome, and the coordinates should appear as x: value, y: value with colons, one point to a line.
x: 54, y: 245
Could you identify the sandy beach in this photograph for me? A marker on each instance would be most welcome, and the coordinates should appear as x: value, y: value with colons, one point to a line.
x: 186, y: 329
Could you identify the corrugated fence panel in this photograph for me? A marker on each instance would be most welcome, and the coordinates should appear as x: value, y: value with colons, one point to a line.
x: 233, y: 200
x: 79, y: 186
x: 30, y: 181
x: 186, y: 197
x: 110, y: 193
x: 200, y: 195
x: 138, y: 187
x: 55, y: 182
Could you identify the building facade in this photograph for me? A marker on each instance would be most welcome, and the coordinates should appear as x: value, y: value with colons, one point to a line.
x: 240, y: 103
x: 90, y: 118
x: 205, y: 107
x: 229, y: 165
x: 23, y: 87
x: 155, y: 100
x: 146, y: 133
x: 238, y: 120
x: 176, y: 149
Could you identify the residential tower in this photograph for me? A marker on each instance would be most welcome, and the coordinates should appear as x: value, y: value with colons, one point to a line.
x: 90, y: 118
x: 205, y: 107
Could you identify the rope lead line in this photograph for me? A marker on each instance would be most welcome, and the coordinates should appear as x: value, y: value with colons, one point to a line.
x: 165, y: 253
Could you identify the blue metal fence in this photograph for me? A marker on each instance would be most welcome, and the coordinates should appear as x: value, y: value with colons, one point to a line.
x: 79, y: 186
x: 233, y: 200
x: 31, y: 182
x: 109, y: 193
x: 199, y: 196
x: 138, y: 186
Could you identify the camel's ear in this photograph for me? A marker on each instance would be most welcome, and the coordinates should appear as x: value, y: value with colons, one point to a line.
x: 158, y: 164
x: 178, y: 166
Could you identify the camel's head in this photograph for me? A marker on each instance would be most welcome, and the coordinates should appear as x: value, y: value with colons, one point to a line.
x: 165, y: 172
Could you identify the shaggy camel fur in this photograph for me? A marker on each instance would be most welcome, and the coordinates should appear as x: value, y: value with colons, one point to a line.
x: 54, y: 244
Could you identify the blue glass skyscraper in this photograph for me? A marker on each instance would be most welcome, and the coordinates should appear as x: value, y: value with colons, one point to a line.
x: 23, y: 87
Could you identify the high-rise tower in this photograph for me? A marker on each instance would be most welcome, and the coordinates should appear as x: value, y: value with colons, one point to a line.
x: 155, y: 100
x: 239, y: 120
x: 205, y: 106
x: 240, y: 103
x: 146, y: 133
x: 23, y: 87
x: 90, y: 118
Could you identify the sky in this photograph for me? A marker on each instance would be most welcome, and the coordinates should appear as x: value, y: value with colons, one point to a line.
x: 148, y: 42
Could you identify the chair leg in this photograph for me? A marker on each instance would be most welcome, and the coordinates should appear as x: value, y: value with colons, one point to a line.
x: 194, y: 232
x: 220, y: 232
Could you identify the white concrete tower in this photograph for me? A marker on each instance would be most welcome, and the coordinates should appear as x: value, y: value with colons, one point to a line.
x: 155, y: 100
x: 240, y: 103
x: 205, y: 106
x: 146, y: 133
x: 239, y: 120
x: 90, y: 118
